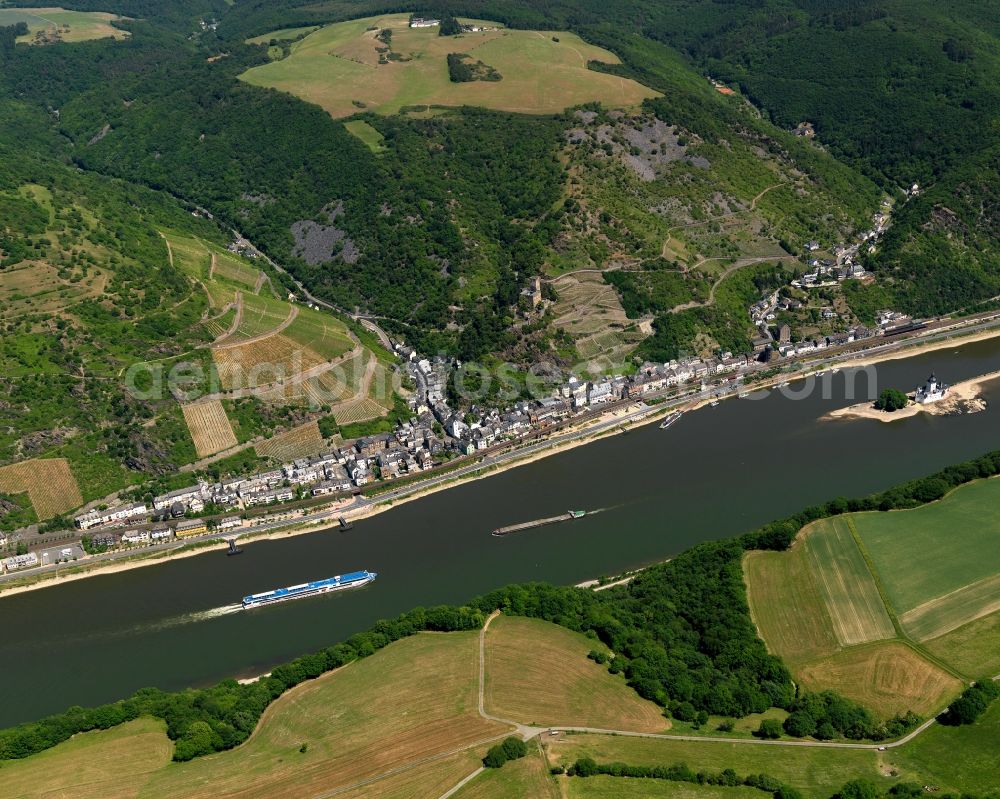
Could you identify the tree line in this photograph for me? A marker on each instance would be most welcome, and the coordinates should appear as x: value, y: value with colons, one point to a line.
x: 854, y: 789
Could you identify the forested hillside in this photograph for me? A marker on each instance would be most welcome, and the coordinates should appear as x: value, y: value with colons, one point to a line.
x: 903, y: 90
x: 86, y: 289
x: 470, y: 203
x: 683, y: 210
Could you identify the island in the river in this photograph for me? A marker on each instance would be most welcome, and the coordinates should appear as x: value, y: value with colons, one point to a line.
x: 933, y: 398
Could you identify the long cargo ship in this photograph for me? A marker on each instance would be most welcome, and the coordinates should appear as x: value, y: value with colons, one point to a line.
x: 339, y: 583
x: 516, y: 528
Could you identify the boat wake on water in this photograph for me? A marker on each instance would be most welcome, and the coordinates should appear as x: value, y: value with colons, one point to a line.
x: 184, y: 618
x: 601, y: 510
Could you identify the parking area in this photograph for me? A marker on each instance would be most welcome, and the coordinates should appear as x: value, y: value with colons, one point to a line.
x: 65, y: 553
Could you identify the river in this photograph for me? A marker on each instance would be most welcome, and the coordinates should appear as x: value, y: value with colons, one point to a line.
x: 717, y: 472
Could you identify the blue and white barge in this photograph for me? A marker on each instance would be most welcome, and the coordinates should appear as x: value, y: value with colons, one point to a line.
x: 339, y: 583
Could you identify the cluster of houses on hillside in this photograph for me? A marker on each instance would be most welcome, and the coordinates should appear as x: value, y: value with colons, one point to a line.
x: 823, y: 273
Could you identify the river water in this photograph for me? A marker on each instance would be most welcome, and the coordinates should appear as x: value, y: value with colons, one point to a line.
x: 717, y: 472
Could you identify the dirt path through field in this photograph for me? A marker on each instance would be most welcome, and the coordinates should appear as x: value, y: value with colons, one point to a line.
x: 293, y: 312
x: 170, y: 250
x: 237, y: 321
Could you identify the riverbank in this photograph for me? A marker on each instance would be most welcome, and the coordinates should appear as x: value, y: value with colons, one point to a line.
x: 962, y: 398
x: 612, y: 423
x: 912, y: 351
x: 616, y: 419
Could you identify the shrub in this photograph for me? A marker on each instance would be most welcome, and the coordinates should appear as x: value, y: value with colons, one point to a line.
x: 511, y: 748
x: 769, y: 729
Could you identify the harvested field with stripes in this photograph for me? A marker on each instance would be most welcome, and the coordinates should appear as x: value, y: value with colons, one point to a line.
x: 888, y: 677
x: 520, y: 653
x: 787, y: 606
x: 209, y: 426
x: 48, y: 482
x: 946, y: 613
x: 356, y: 729
x: 298, y: 442
x: 846, y: 584
x: 924, y: 582
x: 341, y: 734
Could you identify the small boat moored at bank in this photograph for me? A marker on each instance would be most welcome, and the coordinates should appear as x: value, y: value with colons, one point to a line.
x: 670, y: 419
x: 339, y: 583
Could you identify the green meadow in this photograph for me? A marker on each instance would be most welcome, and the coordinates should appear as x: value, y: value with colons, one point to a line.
x: 345, y: 68
x: 59, y: 24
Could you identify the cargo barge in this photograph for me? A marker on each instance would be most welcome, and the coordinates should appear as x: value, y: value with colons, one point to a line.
x: 516, y: 528
x: 339, y: 583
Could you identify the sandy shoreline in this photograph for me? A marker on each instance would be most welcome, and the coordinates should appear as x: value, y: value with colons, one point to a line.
x: 969, y: 391
x: 962, y: 398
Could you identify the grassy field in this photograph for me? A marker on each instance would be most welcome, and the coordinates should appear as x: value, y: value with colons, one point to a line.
x: 112, y: 764
x: 818, y: 773
x: 354, y: 726
x: 527, y: 778
x: 818, y: 607
x: 230, y: 267
x: 846, y: 584
x: 322, y: 333
x: 340, y: 68
x: 973, y: 649
x: 36, y: 287
x: 538, y: 673
x: 404, y: 723
x: 59, y: 25
x: 950, y: 758
x: 887, y: 676
x: 787, y: 606
x: 934, y: 582
x: 283, y: 35
x: 957, y: 758
x: 362, y: 740
x: 617, y: 788
x: 367, y: 134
